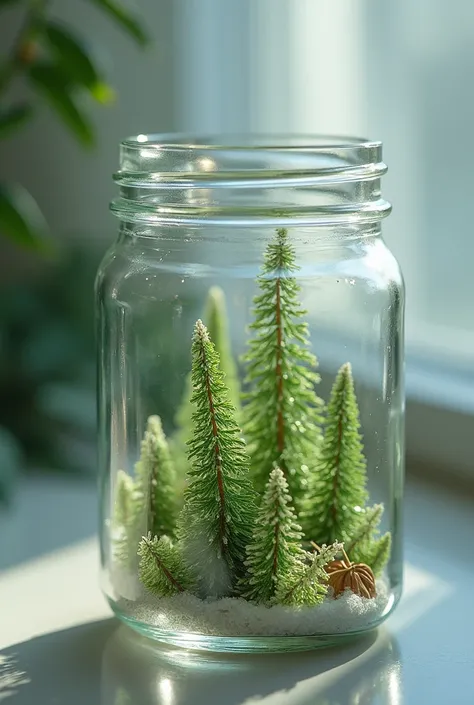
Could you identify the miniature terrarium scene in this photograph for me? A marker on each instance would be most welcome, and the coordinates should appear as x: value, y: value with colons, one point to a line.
x: 252, y: 515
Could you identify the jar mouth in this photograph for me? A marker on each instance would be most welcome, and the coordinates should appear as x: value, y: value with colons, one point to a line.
x: 171, y: 174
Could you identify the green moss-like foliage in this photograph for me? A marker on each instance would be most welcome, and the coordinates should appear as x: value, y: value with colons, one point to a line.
x: 217, y: 520
x: 275, y: 550
x: 282, y: 415
x: 337, y: 492
x: 162, y: 569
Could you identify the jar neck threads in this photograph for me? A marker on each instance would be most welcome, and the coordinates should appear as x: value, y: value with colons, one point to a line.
x: 168, y: 180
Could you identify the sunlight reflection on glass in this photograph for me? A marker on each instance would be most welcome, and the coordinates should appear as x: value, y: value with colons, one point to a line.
x: 395, y: 695
x: 10, y: 677
x: 165, y: 688
x: 362, y: 672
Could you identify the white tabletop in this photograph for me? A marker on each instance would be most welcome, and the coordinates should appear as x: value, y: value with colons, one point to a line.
x: 59, y: 644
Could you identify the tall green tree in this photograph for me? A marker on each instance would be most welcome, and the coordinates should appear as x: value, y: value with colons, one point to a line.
x: 216, y: 320
x: 217, y: 519
x: 283, y: 414
x: 275, y: 550
x: 338, y: 489
x: 155, y: 481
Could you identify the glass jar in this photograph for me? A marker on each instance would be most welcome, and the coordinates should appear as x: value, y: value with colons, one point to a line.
x: 250, y: 338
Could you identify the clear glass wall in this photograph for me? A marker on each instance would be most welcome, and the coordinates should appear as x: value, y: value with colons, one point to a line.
x: 208, y: 539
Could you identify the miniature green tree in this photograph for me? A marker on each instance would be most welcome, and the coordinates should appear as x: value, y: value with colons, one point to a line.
x: 378, y: 554
x: 217, y: 520
x: 307, y: 584
x: 123, y: 517
x: 338, y: 491
x: 147, y: 503
x: 275, y: 549
x: 217, y: 323
x: 216, y: 320
x: 283, y: 413
x: 364, y: 532
x: 155, y: 482
x: 124, y: 499
x: 162, y: 569
x: 366, y: 545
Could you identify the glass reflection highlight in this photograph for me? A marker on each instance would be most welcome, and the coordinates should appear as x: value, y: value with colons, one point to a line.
x: 363, y: 672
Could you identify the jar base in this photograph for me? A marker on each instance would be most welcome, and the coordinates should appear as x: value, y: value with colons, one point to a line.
x: 241, y: 644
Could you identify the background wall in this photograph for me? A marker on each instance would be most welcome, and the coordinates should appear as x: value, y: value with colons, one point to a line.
x: 400, y: 72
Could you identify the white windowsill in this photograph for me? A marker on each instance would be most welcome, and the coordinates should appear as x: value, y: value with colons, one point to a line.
x: 57, y: 627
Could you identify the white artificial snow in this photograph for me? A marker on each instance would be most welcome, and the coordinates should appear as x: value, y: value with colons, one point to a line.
x: 232, y: 616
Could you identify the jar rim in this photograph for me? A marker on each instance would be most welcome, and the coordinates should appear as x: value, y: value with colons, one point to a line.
x: 180, y: 160
x: 305, y: 142
x: 177, y: 177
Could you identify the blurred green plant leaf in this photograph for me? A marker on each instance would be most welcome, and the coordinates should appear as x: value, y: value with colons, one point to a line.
x: 125, y: 17
x: 52, y: 83
x: 21, y: 219
x: 4, y: 3
x: 75, y: 61
x: 13, y: 118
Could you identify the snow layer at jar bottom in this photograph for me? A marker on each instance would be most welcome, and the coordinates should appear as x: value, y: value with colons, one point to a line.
x: 234, y: 617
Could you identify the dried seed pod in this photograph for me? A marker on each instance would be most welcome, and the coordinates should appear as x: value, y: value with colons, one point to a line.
x: 357, y: 577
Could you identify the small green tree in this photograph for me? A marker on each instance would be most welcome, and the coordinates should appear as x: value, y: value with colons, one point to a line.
x: 124, y: 499
x: 337, y: 492
x: 307, y: 585
x: 155, y: 482
x: 366, y: 545
x: 216, y: 320
x: 217, y: 519
x: 123, y: 517
x: 162, y: 569
x: 283, y: 413
x: 148, y: 503
x: 275, y: 549
x: 378, y: 554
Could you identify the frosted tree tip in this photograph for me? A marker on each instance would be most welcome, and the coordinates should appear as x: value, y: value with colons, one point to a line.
x: 216, y: 296
x: 154, y: 425
x: 277, y: 475
x: 346, y: 369
x: 200, y: 331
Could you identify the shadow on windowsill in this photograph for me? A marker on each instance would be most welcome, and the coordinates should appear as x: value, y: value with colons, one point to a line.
x: 104, y: 663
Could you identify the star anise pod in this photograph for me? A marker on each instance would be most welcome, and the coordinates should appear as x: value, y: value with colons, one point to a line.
x: 357, y: 577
